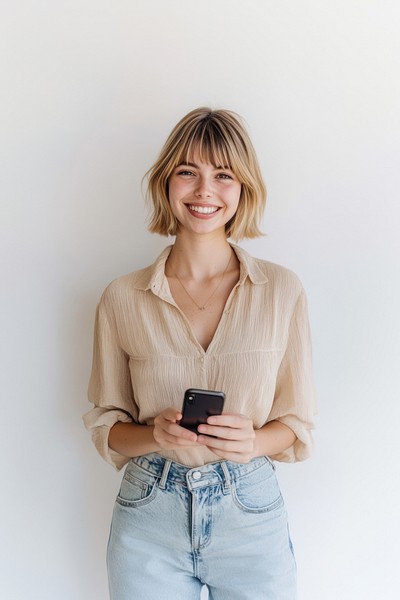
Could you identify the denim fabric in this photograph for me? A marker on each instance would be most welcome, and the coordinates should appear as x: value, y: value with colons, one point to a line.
x: 175, y: 528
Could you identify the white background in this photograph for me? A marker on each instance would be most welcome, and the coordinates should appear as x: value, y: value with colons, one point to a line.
x: 90, y: 90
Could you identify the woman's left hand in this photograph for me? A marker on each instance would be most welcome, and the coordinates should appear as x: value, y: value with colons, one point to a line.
x: 234, y: 437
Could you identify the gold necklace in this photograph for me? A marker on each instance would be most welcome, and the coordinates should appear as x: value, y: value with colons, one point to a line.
x: 204, y: 306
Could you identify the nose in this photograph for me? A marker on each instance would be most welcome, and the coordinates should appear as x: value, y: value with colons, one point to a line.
x: 203, y: 189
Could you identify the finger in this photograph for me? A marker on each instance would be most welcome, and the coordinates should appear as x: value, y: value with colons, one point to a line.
x: 167, y: 418
x: 167, y: 421
x: 225, y: 445
x: 171, y: 414
x: 162, y: 437
x: 227, y: 420
x: 227, y: 433
x: 185, y: 433
x: 179, y: 432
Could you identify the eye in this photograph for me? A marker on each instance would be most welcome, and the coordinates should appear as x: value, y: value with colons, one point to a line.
x: 224, y: 176
x: 185, y: 173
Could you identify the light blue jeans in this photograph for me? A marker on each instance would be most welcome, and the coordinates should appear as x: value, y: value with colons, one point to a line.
x: 175, y: 528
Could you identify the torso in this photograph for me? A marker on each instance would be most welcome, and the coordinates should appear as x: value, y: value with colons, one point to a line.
x: 204, y: 323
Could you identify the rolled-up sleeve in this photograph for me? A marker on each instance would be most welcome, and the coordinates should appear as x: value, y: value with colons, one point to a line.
x: 294, y: 401
x: 110, y: 387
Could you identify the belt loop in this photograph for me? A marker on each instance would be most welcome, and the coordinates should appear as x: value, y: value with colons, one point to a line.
x: 227, y: 478
x: 164, y: 475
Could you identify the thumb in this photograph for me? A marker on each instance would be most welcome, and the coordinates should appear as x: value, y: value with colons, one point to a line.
x: 171, y: 414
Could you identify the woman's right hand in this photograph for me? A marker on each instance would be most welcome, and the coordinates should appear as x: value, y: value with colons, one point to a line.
x: 168, y: 434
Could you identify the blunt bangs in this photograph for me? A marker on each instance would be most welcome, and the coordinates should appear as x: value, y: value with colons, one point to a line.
x: 208, y: 144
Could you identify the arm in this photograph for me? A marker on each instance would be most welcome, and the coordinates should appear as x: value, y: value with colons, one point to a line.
x: 273, y: 438
x: 130, y: 439
x: 294, y: 399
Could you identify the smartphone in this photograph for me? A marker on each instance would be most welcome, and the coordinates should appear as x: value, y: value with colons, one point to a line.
x: 198, y: 405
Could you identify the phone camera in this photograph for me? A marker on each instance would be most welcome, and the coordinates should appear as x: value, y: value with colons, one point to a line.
x: 190, y: 399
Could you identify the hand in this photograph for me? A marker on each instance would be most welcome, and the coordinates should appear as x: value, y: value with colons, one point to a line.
x: 234, y: 437
x: 168, y: 434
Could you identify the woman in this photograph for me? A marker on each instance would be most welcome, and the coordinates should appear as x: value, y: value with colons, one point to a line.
x: 202, y: 507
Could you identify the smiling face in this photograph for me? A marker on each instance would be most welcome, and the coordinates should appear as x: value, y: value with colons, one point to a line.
x: 207, y: 138
x: 203, y: 197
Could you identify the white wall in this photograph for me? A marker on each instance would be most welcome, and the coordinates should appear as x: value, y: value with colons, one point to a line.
x: 89, y: 91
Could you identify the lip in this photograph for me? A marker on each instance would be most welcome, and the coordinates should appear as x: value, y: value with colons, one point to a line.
x: 199, y: 215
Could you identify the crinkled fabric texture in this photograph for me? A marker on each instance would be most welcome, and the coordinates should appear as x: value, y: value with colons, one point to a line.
x: 146, y: 356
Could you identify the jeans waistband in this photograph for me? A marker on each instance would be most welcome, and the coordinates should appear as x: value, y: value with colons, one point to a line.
x: 194, y: 477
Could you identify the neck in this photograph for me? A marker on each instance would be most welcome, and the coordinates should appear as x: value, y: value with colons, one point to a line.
x: 198, y: 257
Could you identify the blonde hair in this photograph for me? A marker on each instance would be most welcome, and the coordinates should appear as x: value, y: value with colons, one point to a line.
x: 220, y: 138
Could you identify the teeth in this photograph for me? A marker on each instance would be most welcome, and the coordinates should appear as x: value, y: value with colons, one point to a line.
x: 204, y: 210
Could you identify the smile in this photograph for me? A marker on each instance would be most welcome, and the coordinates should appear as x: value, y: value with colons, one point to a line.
x: 203, y: 210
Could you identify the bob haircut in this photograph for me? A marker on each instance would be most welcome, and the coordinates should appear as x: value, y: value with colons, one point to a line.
x: 221, y: 140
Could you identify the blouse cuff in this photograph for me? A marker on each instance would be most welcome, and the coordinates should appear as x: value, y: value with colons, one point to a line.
x: 99, y: 421
x: 302, y: 447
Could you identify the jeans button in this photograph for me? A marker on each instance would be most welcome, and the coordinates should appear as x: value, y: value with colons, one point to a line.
x: 196, y: 475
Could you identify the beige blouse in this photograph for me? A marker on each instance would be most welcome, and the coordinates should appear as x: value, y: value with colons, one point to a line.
x: 146, y: 356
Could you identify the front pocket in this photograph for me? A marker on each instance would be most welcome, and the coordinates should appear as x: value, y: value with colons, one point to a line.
x: 134, y: 492
x: 258, y: 491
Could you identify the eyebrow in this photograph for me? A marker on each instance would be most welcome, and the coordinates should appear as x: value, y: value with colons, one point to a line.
x: 190, y: 164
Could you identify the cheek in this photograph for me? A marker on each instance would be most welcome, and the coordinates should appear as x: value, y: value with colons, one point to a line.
x: 170, y: 190
x: 237, y: 192
x: 176, y: 190
x: 235, y: 197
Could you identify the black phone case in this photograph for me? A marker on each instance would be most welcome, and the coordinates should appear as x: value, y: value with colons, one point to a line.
x: 198, y: 405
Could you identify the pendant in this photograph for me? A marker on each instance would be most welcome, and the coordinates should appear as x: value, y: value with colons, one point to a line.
x: 202, y: 308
